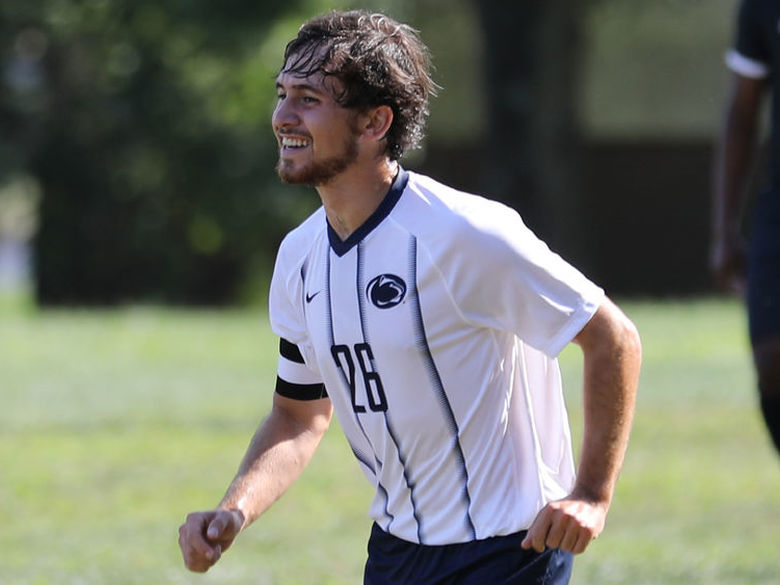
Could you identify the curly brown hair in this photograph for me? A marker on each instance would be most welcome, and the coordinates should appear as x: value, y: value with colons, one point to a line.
x: 378, y: 61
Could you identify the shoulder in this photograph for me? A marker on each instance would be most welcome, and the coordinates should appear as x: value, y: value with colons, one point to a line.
x: 756, y: 8
x: 756, y: 47
x: 451, y: 198
x: 757, y: 22
x: 436, y: 206
x: 292, y: 262
x: 457, y: 228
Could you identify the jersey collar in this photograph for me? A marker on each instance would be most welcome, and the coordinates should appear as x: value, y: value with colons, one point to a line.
x: 341, y: 247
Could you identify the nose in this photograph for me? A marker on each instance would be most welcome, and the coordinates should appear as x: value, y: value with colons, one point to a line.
x: 283, y: 115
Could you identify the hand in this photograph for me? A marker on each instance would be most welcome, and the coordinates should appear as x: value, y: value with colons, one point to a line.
x: 569, y: 524
x: 204, y: 536
x: 727, y: 263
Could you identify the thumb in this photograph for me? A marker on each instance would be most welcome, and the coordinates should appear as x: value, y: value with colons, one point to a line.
x: 224, y: 526
x: 217, y: 527
x: 537, y: 533
x: 527, y: 542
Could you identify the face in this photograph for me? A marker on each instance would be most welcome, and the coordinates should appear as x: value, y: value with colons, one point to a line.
x: 318, y: 139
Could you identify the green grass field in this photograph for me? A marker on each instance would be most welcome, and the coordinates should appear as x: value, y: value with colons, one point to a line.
x: 114, y: 425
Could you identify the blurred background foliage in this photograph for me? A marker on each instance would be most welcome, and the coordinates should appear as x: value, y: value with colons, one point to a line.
x: 136, y: 153
x: 144, y: 125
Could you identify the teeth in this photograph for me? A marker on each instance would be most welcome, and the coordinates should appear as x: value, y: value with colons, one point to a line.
x: 289, y: 142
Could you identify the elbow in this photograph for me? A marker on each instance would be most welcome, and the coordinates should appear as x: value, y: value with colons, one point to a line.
x: 611, y: 337
x: 630, y: 339
x: 626, y: 343
x: 627, y: 353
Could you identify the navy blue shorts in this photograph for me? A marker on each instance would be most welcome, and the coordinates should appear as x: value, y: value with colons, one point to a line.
x: 494, y: 561
x: 763, y: 296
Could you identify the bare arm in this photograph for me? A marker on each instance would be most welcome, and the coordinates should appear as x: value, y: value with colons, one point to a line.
x: 612, y: 358
x: 733, y: 162
x: 279, y: 451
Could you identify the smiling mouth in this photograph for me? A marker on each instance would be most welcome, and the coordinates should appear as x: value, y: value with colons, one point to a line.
x: 288, y: 142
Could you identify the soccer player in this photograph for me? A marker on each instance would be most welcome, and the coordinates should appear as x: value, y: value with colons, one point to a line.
x: 429, y: 320
x: 755, y: 63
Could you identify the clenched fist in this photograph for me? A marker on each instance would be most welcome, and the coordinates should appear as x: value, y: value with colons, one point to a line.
x: 204, y: 536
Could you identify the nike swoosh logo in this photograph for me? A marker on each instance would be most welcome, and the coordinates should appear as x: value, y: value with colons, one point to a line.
x: 309, y: 298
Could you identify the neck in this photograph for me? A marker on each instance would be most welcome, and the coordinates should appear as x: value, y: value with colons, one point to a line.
x: 350, y: 198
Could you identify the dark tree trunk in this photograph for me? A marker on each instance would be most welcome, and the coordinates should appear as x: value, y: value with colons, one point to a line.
x: 532, y: 150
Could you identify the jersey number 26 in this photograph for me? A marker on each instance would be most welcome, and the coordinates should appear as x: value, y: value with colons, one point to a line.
x: 375, y: 393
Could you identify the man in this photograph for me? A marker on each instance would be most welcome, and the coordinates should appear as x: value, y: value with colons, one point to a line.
x: 429, y: 320
x: 755, y: 62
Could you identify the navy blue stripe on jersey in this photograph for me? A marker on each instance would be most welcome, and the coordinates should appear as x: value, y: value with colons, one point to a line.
x: 290, y: 351
x: 363, y: 458
x: 409, y: 483
x: 385, y: 207
x: 436, y: 382
x: 378, y: 462
x: 361, y: 300
x: 388, y: 422
x: 381, y: 489
x: 362, y: 309
x: 300, y: 391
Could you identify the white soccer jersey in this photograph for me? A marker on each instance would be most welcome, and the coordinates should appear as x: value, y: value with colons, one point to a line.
x: 434, y: 329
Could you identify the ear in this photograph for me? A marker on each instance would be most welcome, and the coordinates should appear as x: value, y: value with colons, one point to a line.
x: 377, y: 122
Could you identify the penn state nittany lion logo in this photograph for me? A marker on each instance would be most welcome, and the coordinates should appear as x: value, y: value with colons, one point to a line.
x: 386, y: 291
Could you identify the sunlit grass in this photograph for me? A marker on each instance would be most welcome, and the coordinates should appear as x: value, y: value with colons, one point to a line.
x: 115, y: 424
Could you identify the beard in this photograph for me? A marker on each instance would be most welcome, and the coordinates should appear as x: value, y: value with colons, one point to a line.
x: 319, y: 172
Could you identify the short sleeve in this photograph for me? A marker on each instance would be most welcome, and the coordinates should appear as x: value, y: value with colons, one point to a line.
x: 285, y: 299
x: 297, y: 374
x: 511, y: 280
x: 295, y: 379
x: 750, y: 55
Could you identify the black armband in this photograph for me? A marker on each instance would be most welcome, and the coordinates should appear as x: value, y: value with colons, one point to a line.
x: 300, y: 391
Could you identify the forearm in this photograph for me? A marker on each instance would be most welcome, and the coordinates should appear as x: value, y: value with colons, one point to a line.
x: 732, y: 166
x: 278, y: 453
x: 610, y: 344
x: 611, y: 375
x: 734, y: 155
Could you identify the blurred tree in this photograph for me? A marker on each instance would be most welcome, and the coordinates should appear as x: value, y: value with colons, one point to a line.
x: 146, y: 126
x: 531, y: 67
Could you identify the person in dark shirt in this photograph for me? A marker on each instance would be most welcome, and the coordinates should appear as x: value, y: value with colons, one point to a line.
x: 752, y: 271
